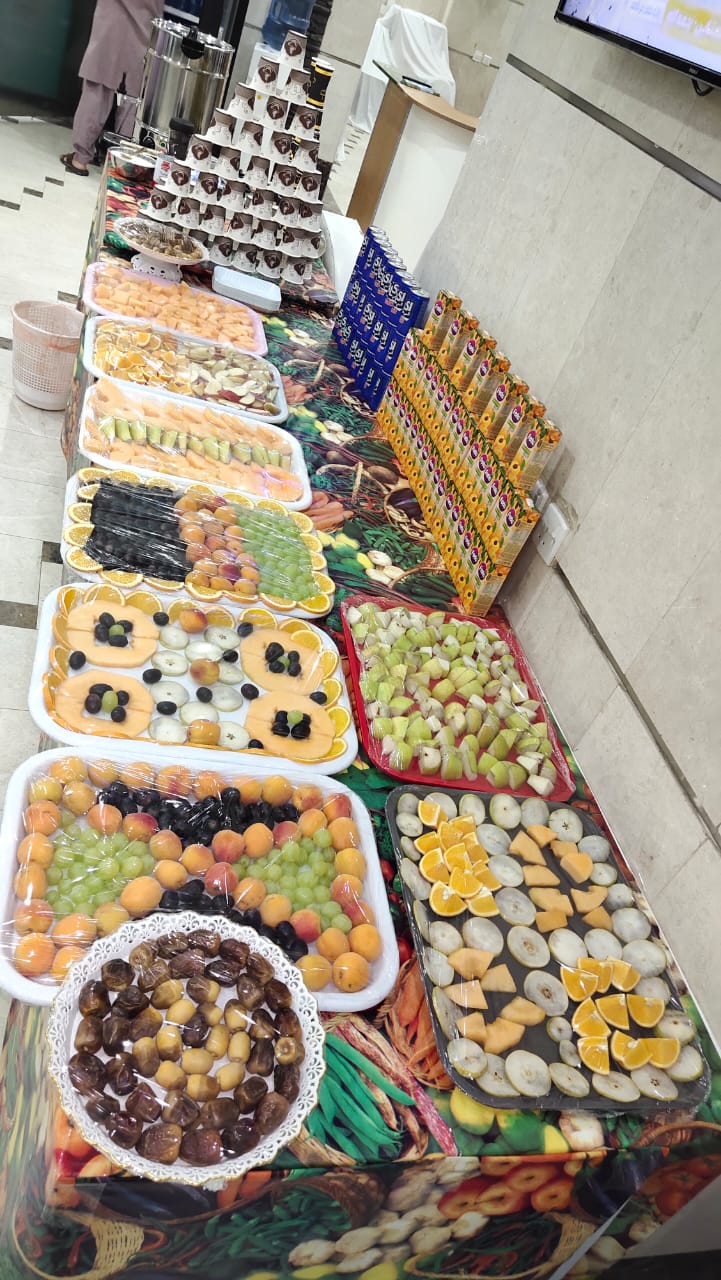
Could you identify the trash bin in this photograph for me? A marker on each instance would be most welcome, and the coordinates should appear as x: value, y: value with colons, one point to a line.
x: 46, y: 337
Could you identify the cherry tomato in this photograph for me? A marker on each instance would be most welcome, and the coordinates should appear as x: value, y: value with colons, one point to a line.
x: 405, y: 950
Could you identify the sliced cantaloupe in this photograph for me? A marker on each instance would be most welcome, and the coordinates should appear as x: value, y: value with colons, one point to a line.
x: 499, y: 978
x: 469, y: 995
x: 598, y: 919
x: 537, y: 877
x: 524, y: 847
x: 502, y: 1035
x: 470, y: 962
x: 577, y: 866
x: 70, y: 706
x: 543, y: 836
x: 473, y: 1027
x: 561, y: 848
x: 261, y: 717
x: 547, y: 921
x: 523, y: 1011
x: 589, y: 899
x: 142, y: 640
x: 551, y: 900
x: 252, y: 660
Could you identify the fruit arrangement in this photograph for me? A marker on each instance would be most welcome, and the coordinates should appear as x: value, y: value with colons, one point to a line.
x: 445, y: 698
x: 542, y: 973
x: 178, y: 307
x: 159, y: 241
x: 187, y: 1046
x: 102, y: 842
x: 192, y: 442
x: 152, y: 358
x: 126, y: 666
x: 126, y: 529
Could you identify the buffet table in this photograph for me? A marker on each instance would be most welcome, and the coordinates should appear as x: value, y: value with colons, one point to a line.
x: 525, y: 1190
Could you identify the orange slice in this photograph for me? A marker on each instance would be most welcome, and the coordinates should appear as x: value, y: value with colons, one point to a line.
x: 428, y: 843
x: 317, y: 605
x: 80, y: 560
x: 613, y: 1009
x: 79, y: 512
x: 445, y: 902
x: 433, y: 868
x: 584, y: 1010
x: 465, y: 883
x: 456, y: 858
x: 628, y: 1052
x: 663, y: 1051
x: 123, y: 578
x: 203, y: 593
x: 464, y: 825
x: 486, y: 877
x: 645, y: 1010
x: 625, y: 976
x: 603, y: 970
x: 484, y: 904
x: 280, y: 603
x: 429, y: 813
x: 593, y: 1052
x: 448, y: 835
x: 593, y: 1027
x: 475, y: 851
x: 577, y: 984
x: 76, y: 535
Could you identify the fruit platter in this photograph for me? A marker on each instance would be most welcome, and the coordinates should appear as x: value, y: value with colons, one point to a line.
x: 161, y: 243
x: 124, y: 666
x: 184, y: 366
x: 122, y: 528
x: 444, y: 698
x: 121, y: 426
x: 186, y: 1050
x: 547, y: 983
x: 121, y: 294
x: 93, y: 842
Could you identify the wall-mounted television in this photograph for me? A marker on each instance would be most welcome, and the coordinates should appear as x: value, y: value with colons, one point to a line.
x: 677, y: 33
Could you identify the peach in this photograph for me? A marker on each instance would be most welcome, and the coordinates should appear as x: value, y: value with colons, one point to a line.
x: 197, y: 859
x: 228, y: 846
x: 109, y: 917
x: 338, y: 806
x: 43, y: 818
x: 207, y: 784
x: 283, y: 831
x: 307, y: 796
x: 35, y: 848
x: 332, y: 943
x: 34, y: 954
x: 140, y: 826
x: 45, y: 789
x: 275, y: 908
x: 351, y: 972
x: 205, y: 564
x: 192, y: 533
x: 138, y: 774
x: 359, y: 912
x: 277, y: 790
x: 310, y: 821
x: 344, y: 834
x: 166, y: 845
x: 78, y: 797
x: 102, y: 773
x: 211, y: 527
x: 204, y: 733
x: 218, y: 583
x: 216, y: 542
x: 220, y: 878
x: 141, y: 895
x: 204, y: 671
x: 345, y: 889
x: 193, y: 620
x: 306, y: 924
x: 249, y: 893
x: 174, y: 780
x: 188, y: 502
x: 171, y: 875
x: 245, y: 589
x: 258, y: 840
x: 194, y: 552
x: 30, y: 882
x: 366, y: 941
x: 75, y: 929
x: 105, y: 818
x: 68, y: 769
x: 35, y: 916
x: 65, y: 958
x: 317, y: 971
x: 230, y: 572
x: 350, y: 862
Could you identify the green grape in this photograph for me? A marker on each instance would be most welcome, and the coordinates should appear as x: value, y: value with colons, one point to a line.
x: 131, y: 867
x: 317, y: 864
x: 106, y: 895
x: 307, y: 844
x: 287, y: 885
x: 136, y: 849
x: 341, y: 922
x: 75, y: 831
x: 79, y: 894
x: 329, y: 857
x: 118, y: 842
x: 272, y: 885
x: 323, y: 839
x: 304, y: 896
x: 94, y: 883
x: 108, y: 868
x: 322, y: 894
x: 148, y: 864
x: 63, y: 907
x: 54, y: 875
x: 51, y: 895
x: 64, y: 857
x: 306, y: 879
x: 78, y: 871
x: 328, y: 911
x: 291, y: 851
x: 66, y: 819
x: 89, y: 838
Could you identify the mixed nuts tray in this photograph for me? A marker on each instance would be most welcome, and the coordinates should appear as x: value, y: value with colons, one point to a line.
x: 546, y: 981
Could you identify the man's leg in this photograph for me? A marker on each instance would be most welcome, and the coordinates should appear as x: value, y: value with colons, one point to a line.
x: 93, y: 110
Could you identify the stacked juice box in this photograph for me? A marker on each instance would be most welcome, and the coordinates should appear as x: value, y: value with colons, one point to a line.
x: 382, y: 304
x: 473, y: 440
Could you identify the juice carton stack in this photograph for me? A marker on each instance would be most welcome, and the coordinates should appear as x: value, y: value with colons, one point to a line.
x: 382, y: 303
x: 473, y: 440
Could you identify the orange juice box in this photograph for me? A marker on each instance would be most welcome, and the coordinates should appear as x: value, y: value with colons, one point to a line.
x: 460, y: 331
x: 539, y: 442
x: 401, y: 371
x: 509, y: 529
x: 444, y: 311
x: 481, y: 484
x: 490, y: 372
x: 524, y: 409
x: 478, y: 347
x: 504, y: 400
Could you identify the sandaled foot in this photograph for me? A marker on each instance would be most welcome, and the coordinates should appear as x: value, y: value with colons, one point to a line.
x: 67, y: 161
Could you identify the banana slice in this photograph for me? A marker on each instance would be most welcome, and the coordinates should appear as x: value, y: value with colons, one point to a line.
x: 437, y: 967
x: 473, y: 807
x: 484, y: 935
x: 422, y: 919
x: 223, y: 637
x: 604, y: 873
x: 229, y: 673
x: 515, y: 907
x: 493, y: 839
x: 467, y: 1057
x: 645, y: 956
x: 676, y: 1026
x: 173, y: 637
x: 630, y: 924
x: 445, y: 802
x: 202, y: 649
x: 602, y: 944
x: 567, y: 824
x: 619, y: 895
x: 528, y: 947
x: 494, y: 1080
x: 534, y: 812
x: 418, y: 885
x: 559, y: 1029
x: 226, y: 699
x: 446, y: 1013
x: 506, y: 869
x: 566, y: 947
x: 597, y: 848
x: 169, y: 691
x: 232, y: 736
x: 198, y: 711
x: 528, y: 1073
x: 168, y: 730
x: 654, y: 988
x: 546, y: 991
x: 444, y: 937
x: 616, y: 1087
x: 170, y: 663
x: 688, y: 1066
x: 505, y: 812
x: 409, y: 825
x: 569, y: 1081
x: 654, y: 1083
x: 568, y: 1053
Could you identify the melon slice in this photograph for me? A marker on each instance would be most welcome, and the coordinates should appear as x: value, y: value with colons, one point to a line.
x: 469, y: 995
x: 523, y: 1011
x: 589, y: 899
x: 142, y: 640
x: 542, y: 835
x: 502, y: 1035
x: 473, y: 1027
x: 562, y: 848
x: 499, y: 978
x: 470, y: 962
x: 577, y: 866
x: 551, y: 900
x: 252, y: 660
x: 524, y: 847
x: 261, y: 716
x: 547, y: 921
x: 537, y: 877
x: 598, y: 919
x: 70, y: 706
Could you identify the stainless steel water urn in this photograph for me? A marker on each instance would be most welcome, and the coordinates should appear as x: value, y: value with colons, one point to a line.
x: 185, y: 75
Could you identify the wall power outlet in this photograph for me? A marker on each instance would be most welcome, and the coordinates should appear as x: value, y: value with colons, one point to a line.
x: 551, y: 532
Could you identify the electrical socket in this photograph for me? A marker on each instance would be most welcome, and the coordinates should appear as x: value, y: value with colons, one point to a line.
x: 487, y: 60
x: 551, y: 532
x: 478, y: 54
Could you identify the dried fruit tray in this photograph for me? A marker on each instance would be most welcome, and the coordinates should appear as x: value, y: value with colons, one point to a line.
x: 78, y: 878
x: 433, y: 691
x: 175, y: 365
x: 120, y: 294
x: 124, y: 529
x: 123, y: 426
x: 547, y: 984
x: 194, y: 680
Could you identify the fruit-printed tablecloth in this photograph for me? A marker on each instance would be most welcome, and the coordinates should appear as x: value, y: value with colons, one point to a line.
x: 397, y: 1174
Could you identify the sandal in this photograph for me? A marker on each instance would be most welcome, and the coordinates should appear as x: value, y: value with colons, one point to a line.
x: 67, y: 161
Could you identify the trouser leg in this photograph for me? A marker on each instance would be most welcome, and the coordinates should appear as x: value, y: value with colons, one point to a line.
x: 93, y: 110
x: 125, y: 118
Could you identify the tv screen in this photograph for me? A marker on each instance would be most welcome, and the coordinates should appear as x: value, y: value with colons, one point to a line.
x: 678, y: 33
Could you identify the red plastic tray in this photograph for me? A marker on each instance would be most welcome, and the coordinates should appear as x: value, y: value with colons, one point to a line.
x: 565, y: 785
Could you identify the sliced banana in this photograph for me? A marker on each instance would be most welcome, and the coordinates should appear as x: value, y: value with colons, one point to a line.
x: 171, y: 664
x: 223, y: 637
x: 467, y: 1057
x: 559, y: 1029
x: 568, y: 1053
x: 505, y: 812
x: 619, y: 895
x: 493, y: 839
x: 630, y: 924
x: 645, y: 956
x: 407, y: 802
x: 445, y: 802
x: 484, y: 935
x: 569, y: 1081
x: 515, y: 907
x: 422, y: 919
x: 418, y: 885
x: 528, y: 947
x: 688, y: 1066
x: 169, y: 691
x: 547, y: 992
x: 168, y: 730
x: 409, y: 825
x: 616, y: 1087
x: 597, y: 848
x: 444, y: 938
x: 198, y: 711
x: 604, y: 873
x: 534, y: 812
x: 567, y: 824
x: 229, y: 673
x: 677, y: 1026
x: 226, y: 699
x: 566, y: 947
x: 473, y: 807
x: 506, y: 869
x: 446, y: 1013
x: 528, y: 1073
x: 203, y: 649
x: 437, y: 967
x: 232, y: 736
x: 654, y: 1083
x: 654, y: 989
x: 173, y: 637
x: 494, y: 1080
x: 602, y: 944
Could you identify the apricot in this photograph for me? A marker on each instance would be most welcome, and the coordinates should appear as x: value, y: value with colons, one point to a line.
x: 258, y: 840
x: 174, y: 780
x: 171, y: 875
x: 358, y: 912
x: 277, y: 790
x: 105, y: 818
x: 220, y: 878
x: 307, y: 796
x: 188, y: 502
x: 345, y: 889
x: 317, y: 971
x: 45, y: 789
x: 204, y: 671
x: 350, y: 862
x: 228, y: 846
x: 250, y: 789
x: 332, y: 943
x: 30, y: 882
x: 306, y: 923
x: 34, y: 954
x: 141, y: 895
x: 283, y: 831
x: 204, y: 733
x: 193, y: 533
x: 78, y: 797
x: 193, y: 620
x: 42, y: 817
x: 344, y: 834
x: 351, y: 972
x: 35, y: 848
x: 65, y: 958
x: 275, y: 908
x: 310, y: 821
x: 165, y: 844
x: 194, y: 552
x: 68, y: 769
x: 140, y: 826
x: 76, y: 929
x: 138, y: 774
x: 338, y: 806
x: 35, y: 916
x: 109, y: 917
x: 366, y: 941
x: 208, y: 783
x: 197, y: 859
x: 248, y: 893
x: 102, y: 773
